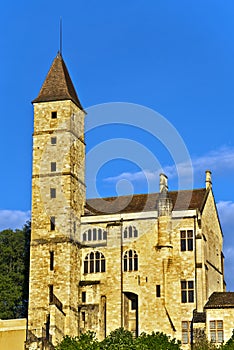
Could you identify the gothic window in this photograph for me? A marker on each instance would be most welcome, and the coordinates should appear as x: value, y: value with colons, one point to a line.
x: 94, y: 262
x: 95, y: 234
x: 186, y: 328
x: 130, y: 260
x: 187, y: 291
x: 130, y: 232
x: 216, y: 331
x: 186, y: 240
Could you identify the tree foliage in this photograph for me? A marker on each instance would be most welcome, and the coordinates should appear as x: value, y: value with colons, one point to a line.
x: 120, y: 339
x: 14, y: 267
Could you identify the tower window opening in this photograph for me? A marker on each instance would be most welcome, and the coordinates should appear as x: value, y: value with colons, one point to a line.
x: 53, y: 166
x: 53, y: 140
x: 83, y: 297
x: 53, y: 115
x: 51, y: 293
x: 51, y: 261
x: 158, y: 291
x: 52, y: 223
x: 53, y: 193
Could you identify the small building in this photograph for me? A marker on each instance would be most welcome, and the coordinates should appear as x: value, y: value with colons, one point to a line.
x: 12, y: 334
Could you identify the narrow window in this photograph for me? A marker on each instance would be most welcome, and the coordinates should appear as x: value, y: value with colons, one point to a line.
x: 48, y: 327
x: 216, y: 331
x: 51, y: 293
x: 86, y: 265
x: 74, y: 227
x: 53, y: 166
x: 186, y: 332
x: 83, y: 297
x: 83, y: 316
x: 53, y: 193
x: 186, y: 240
x: 53, y: 140
x: 190, y: 239
x: 52, y: 223
x: 187, y: 291
x: 158, y: 291
x: 89, y: 235
x: 99, y: 234
x: 51, y: 261
x: 94, y: 234
x: 133, y: 304
x: 53, y: 115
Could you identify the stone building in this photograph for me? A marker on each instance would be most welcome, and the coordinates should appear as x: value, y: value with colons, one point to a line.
x: 147, y: 262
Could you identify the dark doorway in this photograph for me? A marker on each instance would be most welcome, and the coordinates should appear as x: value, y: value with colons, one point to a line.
x: 131, y: 312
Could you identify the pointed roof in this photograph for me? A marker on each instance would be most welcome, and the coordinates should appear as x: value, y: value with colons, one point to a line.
x: 58, y: 84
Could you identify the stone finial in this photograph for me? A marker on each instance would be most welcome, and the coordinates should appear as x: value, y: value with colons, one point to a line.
x: 163, y: 185
x: 208, y: 179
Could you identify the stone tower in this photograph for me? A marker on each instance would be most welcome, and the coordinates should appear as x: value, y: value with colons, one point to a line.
x: 58, y: 196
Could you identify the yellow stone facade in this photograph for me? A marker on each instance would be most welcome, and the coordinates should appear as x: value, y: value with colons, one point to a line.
x: 144, y: 270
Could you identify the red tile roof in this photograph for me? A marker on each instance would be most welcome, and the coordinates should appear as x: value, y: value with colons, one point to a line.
x: 181, y: 200
x: 58, y: 84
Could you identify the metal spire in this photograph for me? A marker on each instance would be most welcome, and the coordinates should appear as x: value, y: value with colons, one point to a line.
x: 60, y: 37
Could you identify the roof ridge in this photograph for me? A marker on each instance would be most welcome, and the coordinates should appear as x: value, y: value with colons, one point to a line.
x: 146, y: 194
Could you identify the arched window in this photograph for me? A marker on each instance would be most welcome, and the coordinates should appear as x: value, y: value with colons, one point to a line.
x: 130, y: 260
x: 94, y: 262
x: 95, y: 234
x: 130, y: 232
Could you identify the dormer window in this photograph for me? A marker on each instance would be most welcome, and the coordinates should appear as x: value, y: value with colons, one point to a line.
x: 53, y: 115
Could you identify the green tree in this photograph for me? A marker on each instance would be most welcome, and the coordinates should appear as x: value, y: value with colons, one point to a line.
x: 158, y: 340
x: 229, y: 344
x: 118, y: 339
x: 14, y: 276
x: 86, y: 341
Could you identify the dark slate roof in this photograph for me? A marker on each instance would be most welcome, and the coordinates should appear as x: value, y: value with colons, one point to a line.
x: 181, y: 200
x: 220, y: 300
x: 58, y: 84
x: 199, y: 317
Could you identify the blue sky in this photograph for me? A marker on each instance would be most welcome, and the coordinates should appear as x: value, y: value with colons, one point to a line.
x: 174, y: 57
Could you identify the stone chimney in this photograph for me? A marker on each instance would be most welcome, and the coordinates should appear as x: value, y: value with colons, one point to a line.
x: 164, y: 201
x: 208, y: 179
x: 163, y: 185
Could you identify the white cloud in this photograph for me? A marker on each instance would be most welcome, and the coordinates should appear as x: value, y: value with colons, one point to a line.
x: 13, y: 219
x: 216, y: 160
